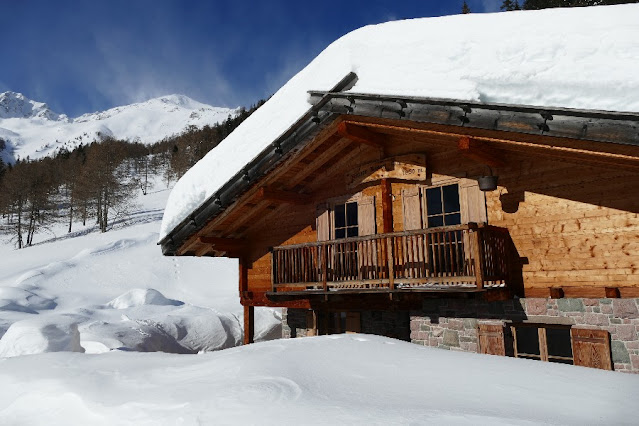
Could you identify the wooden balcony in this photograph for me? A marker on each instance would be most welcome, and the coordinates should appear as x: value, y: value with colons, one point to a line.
x: 457, y: 258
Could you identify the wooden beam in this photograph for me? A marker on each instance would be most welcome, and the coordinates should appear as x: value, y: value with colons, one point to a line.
x: 249, y: 324
x: 361, y: 134
x: 222, y: 244
x: 333, y: 147
x: 287, y: 197
x: 387, y: 206
x: 479, y: 152
x: 547, y: 146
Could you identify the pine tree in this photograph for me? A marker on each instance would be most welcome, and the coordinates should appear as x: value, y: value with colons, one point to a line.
x: 465, y: 9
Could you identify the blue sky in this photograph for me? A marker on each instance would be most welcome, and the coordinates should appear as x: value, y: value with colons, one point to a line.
x: 83, y: 56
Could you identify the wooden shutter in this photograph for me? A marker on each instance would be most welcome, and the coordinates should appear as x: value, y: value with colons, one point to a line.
x: 591, y: 348
x: 353, y: 322
x: 472, y: 202
x: 412, y: 208
x: 323, y: 223
x: 491, y: 339
x: 366, y: 215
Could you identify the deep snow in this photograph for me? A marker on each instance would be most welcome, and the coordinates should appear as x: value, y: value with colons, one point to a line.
x: 98, y: 292
x: 584, y: 57
x: 337, y: 380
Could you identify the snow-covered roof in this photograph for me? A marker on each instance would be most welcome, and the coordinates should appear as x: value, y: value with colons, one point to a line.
x: 583, y: 58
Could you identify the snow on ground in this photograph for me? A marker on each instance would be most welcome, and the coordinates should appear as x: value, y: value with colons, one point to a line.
x: 575, y: 57
x: 340, y: 379
x: 98, y: 292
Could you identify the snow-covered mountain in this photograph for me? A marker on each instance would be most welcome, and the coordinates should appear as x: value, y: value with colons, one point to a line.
x: 31, y: 129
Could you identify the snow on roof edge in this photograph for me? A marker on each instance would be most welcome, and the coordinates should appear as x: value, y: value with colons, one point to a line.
x: 537, y: 67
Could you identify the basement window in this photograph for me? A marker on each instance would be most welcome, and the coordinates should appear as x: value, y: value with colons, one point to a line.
x: 551, y: 343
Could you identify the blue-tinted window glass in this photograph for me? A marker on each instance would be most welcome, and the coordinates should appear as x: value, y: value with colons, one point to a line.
x: 352, y: 231
x: 435, y: 221
x: 451, y: 198
x: 351, y: 214
x: 340, y: 233
x: 340, y: 216
x: 434, y: 201
x: 452, y: 219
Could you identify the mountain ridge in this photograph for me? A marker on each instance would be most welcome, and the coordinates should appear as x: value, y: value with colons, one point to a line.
x: 31, y: 129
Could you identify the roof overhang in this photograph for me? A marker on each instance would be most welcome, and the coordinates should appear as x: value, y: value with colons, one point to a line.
x: 586, y: 125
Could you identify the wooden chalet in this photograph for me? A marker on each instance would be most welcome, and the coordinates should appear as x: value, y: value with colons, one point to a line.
x: 500, y: 229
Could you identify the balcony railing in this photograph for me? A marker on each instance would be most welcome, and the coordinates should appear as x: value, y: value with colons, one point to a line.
x: 456, y: 257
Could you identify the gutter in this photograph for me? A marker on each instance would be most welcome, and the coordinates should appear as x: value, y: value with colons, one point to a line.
x: 591, y: 125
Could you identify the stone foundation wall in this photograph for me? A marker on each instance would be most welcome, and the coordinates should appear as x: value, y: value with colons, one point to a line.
x: 453, y: 323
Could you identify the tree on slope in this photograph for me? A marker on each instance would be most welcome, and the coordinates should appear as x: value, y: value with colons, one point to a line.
x: 465, y: 9
x: 545, y: 4
x: 509, y: 5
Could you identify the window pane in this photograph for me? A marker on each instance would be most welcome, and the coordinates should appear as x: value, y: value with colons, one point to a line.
x: 558, y: 340
x: 451, y: 198
x: 435, y: 221
x: 434, y: 201
x: 452, y: 219
x: 560, y: 361
x: 340, y: 233
x: 528, y: 340
x: 351, y: 214
x: 352, y: 231
x: 340, y: 216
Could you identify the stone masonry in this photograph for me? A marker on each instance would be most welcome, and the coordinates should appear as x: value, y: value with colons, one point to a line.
x: 453, y: 323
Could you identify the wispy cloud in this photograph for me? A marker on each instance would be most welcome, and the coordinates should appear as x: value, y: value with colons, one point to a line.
x: 491, y: 5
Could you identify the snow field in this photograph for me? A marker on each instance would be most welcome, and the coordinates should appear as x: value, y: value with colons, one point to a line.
x: 98, y: 292
x: 340, y: 379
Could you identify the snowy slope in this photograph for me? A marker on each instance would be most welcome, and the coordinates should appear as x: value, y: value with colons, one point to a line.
x: 576, y: 58
x: 96, y: 292
x: 31, y: 129
x: 326, y: 380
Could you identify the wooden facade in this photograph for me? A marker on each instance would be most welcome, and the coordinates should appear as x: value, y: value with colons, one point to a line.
x: 352, y: 221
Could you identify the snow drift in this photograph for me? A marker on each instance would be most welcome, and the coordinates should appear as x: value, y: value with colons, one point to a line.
x: 575, y: 58
x: 340, y: 379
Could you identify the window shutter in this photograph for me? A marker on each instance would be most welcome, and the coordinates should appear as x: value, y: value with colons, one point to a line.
x: 323, y: 223
x: 366, y: 216
x: 591, y: 348
x: 472, y: 201
x: 412, y: 208
x: 353, y: 322
x: 491, y: 339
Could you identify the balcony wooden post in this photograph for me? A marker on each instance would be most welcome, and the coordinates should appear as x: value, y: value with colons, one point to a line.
x: 478, y: 245
x: 273, y: 271
x: 391, y: 263
x: 249, y: 324
x: 325, y: 267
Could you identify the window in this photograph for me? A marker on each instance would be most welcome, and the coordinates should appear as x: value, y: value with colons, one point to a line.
x: 345, y: 220
x: 442, y: 206
x: 550, y: 343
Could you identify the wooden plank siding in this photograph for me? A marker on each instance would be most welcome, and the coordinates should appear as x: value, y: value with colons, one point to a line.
x: 574, y: 223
